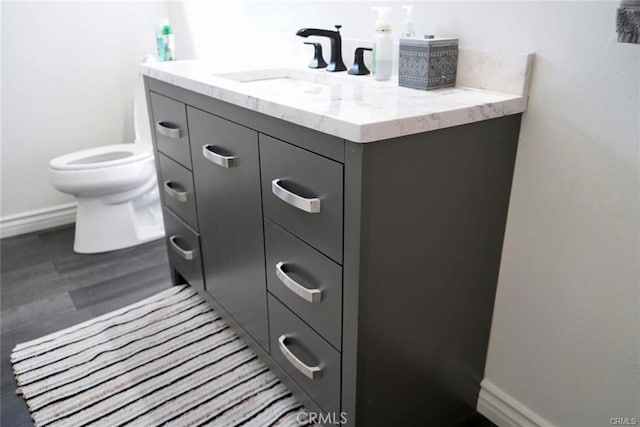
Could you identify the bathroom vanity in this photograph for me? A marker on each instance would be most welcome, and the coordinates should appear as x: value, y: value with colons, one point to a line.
x: 350, y: 231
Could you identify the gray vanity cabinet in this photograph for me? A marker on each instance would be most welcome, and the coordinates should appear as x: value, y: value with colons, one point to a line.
x: 363, y: 275
x: 226, y: 173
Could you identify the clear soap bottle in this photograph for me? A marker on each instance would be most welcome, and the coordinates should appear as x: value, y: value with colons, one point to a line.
x: 382, y: 46
x: 408, y: 32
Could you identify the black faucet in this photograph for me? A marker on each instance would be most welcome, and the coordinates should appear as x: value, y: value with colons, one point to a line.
x: 336, y: 63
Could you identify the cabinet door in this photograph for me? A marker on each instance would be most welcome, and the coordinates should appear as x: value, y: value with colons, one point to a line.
x: 226, y: 175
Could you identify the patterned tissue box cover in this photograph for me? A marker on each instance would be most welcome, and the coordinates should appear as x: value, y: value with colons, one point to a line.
x: 428, y: 64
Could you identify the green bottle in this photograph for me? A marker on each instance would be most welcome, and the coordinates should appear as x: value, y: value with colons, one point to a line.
x: 168, y: 42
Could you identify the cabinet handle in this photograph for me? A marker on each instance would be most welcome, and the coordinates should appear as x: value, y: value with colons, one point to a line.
x: 302, y: 203
x: 184, y: 254
x: 311, y: 372
x: 163, y: 128
x: 218, y: 159
x: 311, y: 295
x: 180, y: 196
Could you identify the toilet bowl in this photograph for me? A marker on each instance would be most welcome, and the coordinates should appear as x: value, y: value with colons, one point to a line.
x: 115, y: 187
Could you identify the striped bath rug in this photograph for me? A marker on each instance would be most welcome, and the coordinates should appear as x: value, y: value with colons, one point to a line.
x: 168, y: 360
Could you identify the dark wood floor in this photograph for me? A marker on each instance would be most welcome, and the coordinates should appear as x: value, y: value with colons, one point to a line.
x: 45, y: 287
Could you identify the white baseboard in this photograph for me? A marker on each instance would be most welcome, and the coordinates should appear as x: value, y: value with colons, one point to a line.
x: 38, y: 219
x: 505, y: 411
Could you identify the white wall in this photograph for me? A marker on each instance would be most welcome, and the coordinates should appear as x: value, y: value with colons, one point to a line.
x: 68, y: 76
x: 565, y: 341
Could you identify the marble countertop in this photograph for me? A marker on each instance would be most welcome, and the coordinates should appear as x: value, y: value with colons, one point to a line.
x: 359, y: 108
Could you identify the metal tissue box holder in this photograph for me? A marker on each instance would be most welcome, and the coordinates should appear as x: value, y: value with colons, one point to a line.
x: 428, y: 64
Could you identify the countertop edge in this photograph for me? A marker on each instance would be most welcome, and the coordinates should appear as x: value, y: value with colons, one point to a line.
x: 353, y: 132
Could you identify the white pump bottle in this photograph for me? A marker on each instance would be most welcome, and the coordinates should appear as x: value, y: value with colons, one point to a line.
x: 382, y: 46
x: 408, y: 31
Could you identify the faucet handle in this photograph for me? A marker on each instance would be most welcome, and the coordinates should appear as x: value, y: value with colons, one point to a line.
x: 338, y: 28
x: 318, y: 60
x: 358, y: 68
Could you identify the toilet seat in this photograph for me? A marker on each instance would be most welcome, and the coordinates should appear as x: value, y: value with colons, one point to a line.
x: 101, y: 157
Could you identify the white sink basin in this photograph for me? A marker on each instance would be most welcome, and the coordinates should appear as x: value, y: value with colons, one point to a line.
x: 290, y: 75
x: 280, y: 84
x: 288, y: 80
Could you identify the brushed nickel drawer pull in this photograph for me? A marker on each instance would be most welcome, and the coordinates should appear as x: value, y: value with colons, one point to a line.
x: 219, y: 159
x: 308, y: 205
x: 311, y: 295
x: 311, y: 372
x: 180, y: 196
x: 183, y: 253
x: 163, y: 128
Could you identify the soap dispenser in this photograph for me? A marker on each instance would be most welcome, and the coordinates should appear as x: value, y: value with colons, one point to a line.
x: 408, y: 31
x: 382, y: 45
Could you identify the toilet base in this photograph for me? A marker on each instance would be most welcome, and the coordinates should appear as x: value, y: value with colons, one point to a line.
x: 102, y: 226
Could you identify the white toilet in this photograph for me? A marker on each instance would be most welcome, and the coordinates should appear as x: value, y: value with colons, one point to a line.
x: 115, y: 187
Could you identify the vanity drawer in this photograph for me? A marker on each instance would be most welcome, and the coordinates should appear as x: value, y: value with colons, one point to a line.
x: 307, y: 282
x: 302, y: 192
x: 183, y: 247
x: 176, y: 185
x: 170, y: 128
x: 305, y: 356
